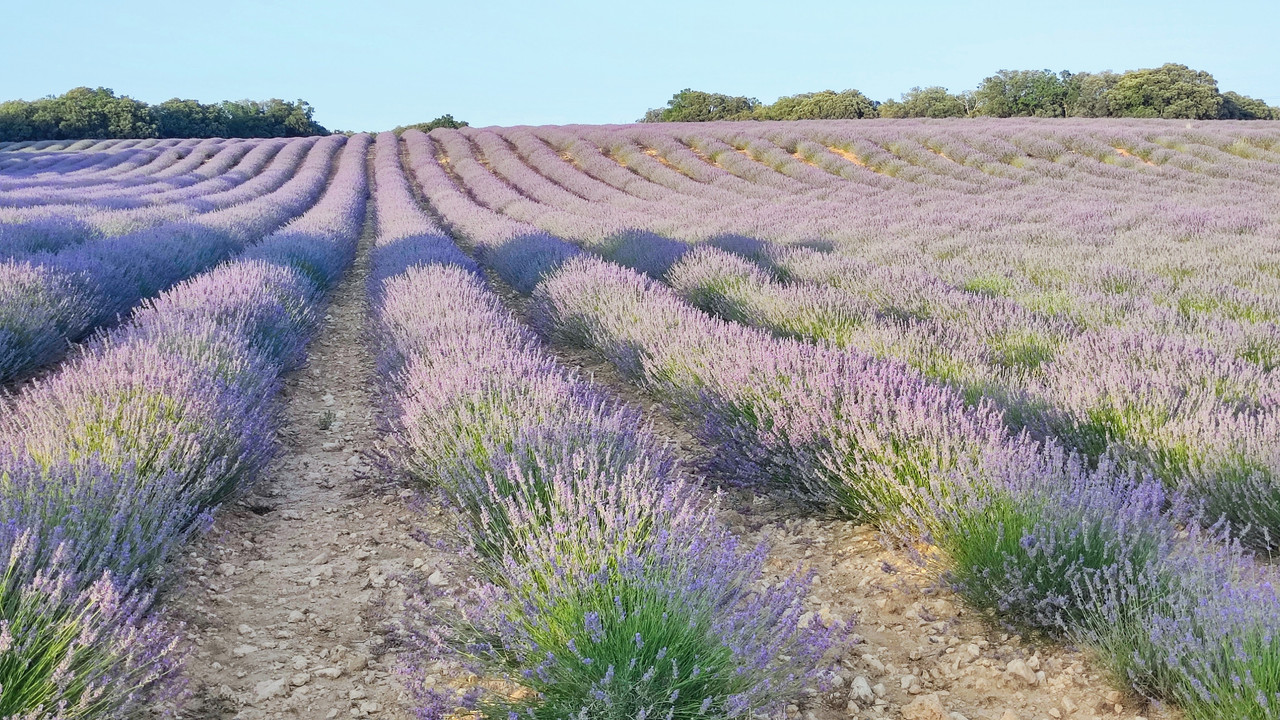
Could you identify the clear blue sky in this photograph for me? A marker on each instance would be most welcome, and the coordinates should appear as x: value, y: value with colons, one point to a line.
x: 374, y: 64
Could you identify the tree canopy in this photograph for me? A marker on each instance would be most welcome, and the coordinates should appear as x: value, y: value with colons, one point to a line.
x: 1169, y: 91
x: 930, y: 102
x: 825, y: 105
x: 444, y: 121
x: 1242, y: 107
x: 1023, y: 93
x: 696, y: 106
x: 99, y: 113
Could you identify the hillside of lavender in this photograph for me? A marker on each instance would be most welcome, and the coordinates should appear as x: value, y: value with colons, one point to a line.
x: 1040, y: 359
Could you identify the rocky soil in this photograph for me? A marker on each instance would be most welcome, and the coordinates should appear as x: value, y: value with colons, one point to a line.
x: 288, y: 599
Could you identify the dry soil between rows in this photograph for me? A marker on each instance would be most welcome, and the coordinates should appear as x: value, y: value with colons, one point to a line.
x: 288, y: 598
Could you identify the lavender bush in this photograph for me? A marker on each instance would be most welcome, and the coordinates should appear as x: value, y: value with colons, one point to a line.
x: 672, y: 630
x: 74, y: 647
x: 1045, y: 545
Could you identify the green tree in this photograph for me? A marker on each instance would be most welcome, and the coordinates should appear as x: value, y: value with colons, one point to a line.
x: 825, y: 105
x: 1087, y: 93
x: 930, y: 102
x: 1023, y: 93
x: 1242, y: 107
x: 86, y: 113
x: 99, y: 113
x: 270, y: 118
x: 697, y: 106
x: 1169, y: 91
x: 17, y: 122
x: 444, y: 121
x: 178, y: 118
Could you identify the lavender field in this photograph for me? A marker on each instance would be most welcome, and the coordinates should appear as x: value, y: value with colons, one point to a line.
x: 818, y: 419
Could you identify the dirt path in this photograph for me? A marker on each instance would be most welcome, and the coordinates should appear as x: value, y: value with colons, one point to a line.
x: 286, y: 599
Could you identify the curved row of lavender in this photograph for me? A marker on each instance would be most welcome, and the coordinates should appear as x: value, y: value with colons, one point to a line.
x: 1181, y: 386
x: 1102, y: 555
x: 112, y: 463
x: 608, y: 588
x: 136, y: 177
x: 235, y: 174
x: 57, y: 225
x: 91, y: 171
x: 50, y: 299
x: 173, y: 168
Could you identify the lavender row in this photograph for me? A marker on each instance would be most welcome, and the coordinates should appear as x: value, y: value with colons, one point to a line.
x: 95, y: 156
x: 49, y: 300
x: 1203, y: 421
x: 1098, y: 556
x: 1001, y: 220
x: 915, y: 291
x: 50, y: 228
x: 139, y: 188
x: 589, y: 541
x: 1025, y: 531
x: 86, y: 160
x: 112, y: 463
x: 1210, y: 306
x: 1185, y: 423
x: 133, y: 165
x: 175, y: 167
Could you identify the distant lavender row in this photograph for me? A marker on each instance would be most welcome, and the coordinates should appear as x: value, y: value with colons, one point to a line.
x: 113, y: 462
x: 48, y: 300
x: 52, y: 227
x: 680, y: 207
x: 1001, y: 250
x: 591, y: 543
x: 130, y: 166
x: 173, y: 168
x: 139, y: 188
x: 94, y: 153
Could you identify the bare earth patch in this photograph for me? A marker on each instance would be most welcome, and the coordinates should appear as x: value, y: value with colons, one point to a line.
x: 1125, y: 153
x: 847, y: 155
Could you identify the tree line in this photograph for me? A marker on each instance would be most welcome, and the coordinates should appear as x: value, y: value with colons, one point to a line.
x: 99, y: 113
x: 1169, y: 91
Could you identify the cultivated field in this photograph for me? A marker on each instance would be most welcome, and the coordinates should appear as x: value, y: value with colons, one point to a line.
x: 823, y: 419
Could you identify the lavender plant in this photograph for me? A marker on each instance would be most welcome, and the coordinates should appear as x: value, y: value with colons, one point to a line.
x: 1045, y: 545
x: 77, y: 648
x: 673, y: 631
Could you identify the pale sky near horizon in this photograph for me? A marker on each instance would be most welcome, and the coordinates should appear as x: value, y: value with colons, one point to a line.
x: 380, y: 63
